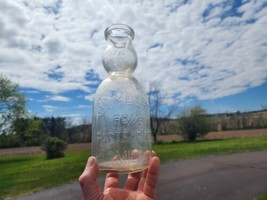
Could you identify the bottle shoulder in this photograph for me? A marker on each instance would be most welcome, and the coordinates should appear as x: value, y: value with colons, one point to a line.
x: 120, y: 84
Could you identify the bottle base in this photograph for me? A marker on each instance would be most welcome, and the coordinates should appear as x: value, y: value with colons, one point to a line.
x: 122, y: 167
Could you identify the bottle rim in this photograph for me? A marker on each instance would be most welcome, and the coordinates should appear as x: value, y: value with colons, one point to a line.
x: 115, y: 27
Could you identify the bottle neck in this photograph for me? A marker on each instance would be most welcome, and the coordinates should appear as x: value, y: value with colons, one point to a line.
x: 121, y: 74
x: 119, y: 41
x: 119, y: 57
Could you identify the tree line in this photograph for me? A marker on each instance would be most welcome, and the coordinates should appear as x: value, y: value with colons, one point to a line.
x: 33, y: 131
x: 194, y: 122
x: 18, y: 128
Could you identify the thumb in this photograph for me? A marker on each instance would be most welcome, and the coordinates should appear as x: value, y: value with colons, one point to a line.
x: 88, y: 180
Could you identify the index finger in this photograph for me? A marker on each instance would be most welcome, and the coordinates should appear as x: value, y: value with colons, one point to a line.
x: 152, y: 178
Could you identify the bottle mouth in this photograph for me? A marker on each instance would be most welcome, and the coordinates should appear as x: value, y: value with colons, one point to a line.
x: 119, y: 31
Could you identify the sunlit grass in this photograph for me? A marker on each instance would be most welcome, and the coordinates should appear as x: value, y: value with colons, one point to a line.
x: 185, y: 150
x: 24, y: 174
x: 262, y: 197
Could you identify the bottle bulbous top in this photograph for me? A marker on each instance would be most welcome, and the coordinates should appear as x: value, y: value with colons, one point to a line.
x: 119, y: 55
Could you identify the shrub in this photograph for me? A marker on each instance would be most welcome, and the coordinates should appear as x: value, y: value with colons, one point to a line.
x: 54, y: 147
x: 194, y: 123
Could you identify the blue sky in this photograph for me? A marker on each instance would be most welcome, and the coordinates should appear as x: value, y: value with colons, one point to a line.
x: 208, y: 52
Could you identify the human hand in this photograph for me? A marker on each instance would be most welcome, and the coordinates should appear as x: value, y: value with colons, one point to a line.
x: 139, y: 185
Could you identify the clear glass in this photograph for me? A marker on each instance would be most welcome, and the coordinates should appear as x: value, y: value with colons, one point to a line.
x: 121, y: 139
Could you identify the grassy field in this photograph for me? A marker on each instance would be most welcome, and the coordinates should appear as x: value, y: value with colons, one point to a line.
x: 185, y: 150
x: 24, y: 174
x: 262, y: 197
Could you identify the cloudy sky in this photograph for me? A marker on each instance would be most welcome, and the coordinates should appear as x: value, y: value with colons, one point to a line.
x: 208, y: 52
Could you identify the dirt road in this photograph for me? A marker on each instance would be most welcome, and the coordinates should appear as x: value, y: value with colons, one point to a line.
x: 232, y: 177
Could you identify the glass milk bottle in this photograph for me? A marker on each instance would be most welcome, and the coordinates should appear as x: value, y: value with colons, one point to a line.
x: 121, y: 139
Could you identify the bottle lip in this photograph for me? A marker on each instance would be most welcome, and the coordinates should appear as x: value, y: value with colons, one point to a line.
x: 116, y: 28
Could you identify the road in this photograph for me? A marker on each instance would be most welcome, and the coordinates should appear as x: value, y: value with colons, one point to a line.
x: 239, y: 176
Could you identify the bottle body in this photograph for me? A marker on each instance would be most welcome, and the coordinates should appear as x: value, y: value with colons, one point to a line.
x: 121, y: 125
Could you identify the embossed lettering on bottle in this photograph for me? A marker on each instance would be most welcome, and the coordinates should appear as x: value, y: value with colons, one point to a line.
x: 121, y: 138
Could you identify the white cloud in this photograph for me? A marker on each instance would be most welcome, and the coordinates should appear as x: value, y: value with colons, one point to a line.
x: 90, y: 97
x: 74, y: 119
x: 49, y: 108
x: 31, y: 92
x: 60, y: 98
x: 83, y: 106
x: 30, y: 99
x: 203, y: 57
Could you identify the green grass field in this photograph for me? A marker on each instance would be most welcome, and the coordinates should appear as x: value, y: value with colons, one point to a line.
x: 262, y: 197
x: 186, y: 150
x: 24, y: 174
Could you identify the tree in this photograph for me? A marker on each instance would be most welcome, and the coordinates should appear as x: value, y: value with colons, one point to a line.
x: 158, y: 111
x: 56, y: 127
x: 80, y: 133
x: 29, y: 130
x: 12, y: 103
x: 194, y: 123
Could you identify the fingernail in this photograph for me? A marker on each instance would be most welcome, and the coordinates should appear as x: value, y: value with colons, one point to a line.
x: 91, y: 161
